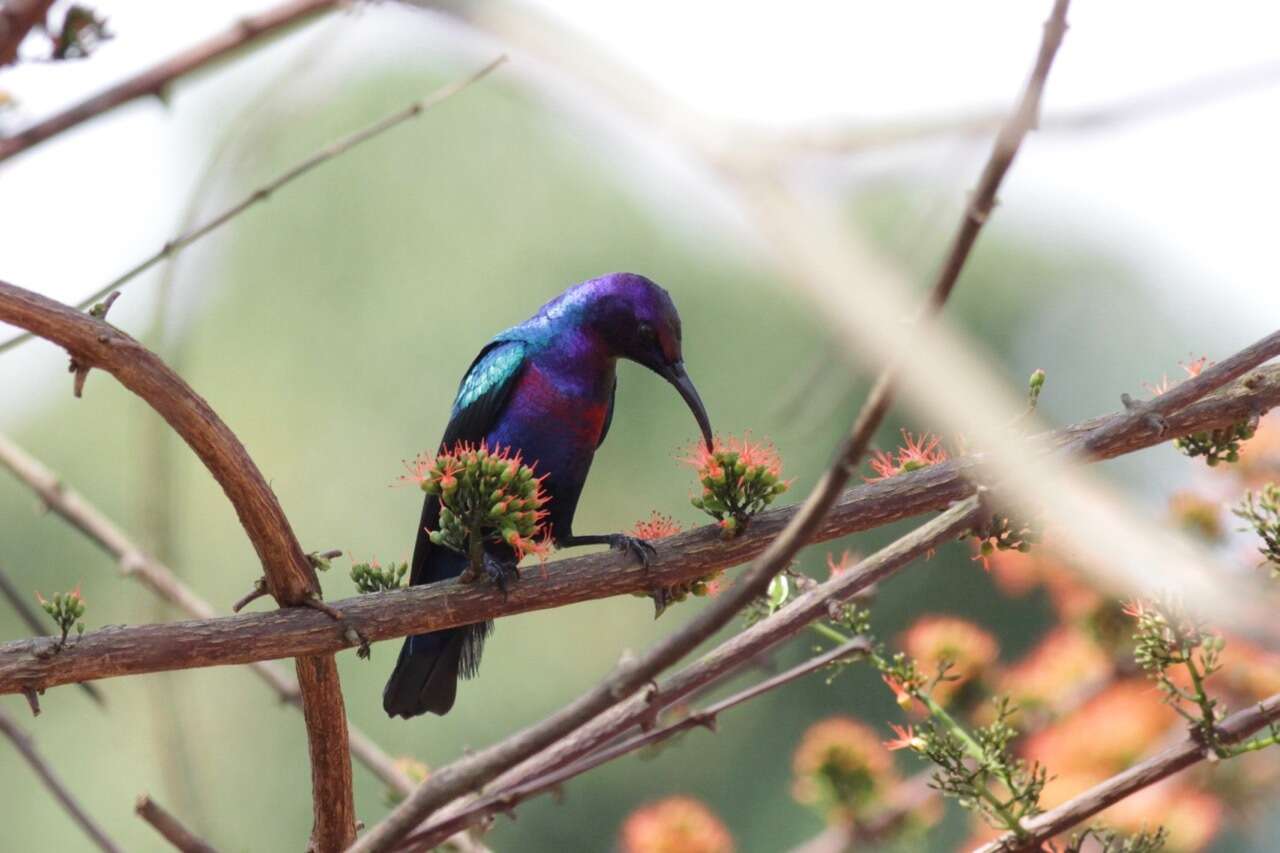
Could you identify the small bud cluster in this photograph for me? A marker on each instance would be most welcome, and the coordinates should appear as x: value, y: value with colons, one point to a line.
x: 1001, y: 532
x: 374, y: 577
x: 1100, y: 840
x: 1034, y: 386
x: 1262, y: 511
x: 485, y: 494
x: 739, y: 479
x: 1217, y: 445
x: 66, y: 609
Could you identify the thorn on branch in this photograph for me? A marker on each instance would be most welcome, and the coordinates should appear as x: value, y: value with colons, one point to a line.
x: 81, y: 371
x: 33, y: 700
x: 320, y: 560
x: 1155, y: 421
x: 258, y: 591
x: 316, y: 603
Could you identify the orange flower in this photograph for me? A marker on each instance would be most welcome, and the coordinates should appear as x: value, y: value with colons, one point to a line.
x: 848, y: 559
x: 751, y: 453
x: 1191, y: 368
x: 1107, y: 734
x: 906, y: 739
x: 1051, y: 674
x: 916, y: 453
x: 933, y: 640
x: 675, y: 825
x: 656, y: 526
x: 900, y: 693
x: 841, y: 766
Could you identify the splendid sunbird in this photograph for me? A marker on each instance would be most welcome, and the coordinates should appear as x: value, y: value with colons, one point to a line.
x: 546, y: 389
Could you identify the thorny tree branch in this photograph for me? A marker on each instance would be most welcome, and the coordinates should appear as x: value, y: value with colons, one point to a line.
x: 94, y: 343
x: 476, y: 770
x: 156, y: 80
x: 170, y: 827
x: 1191, y: 751
x: 246, y: 638
x: 507, y: 798
x: 22, y: 742
x: 136, y: 564
x: 334, y: 149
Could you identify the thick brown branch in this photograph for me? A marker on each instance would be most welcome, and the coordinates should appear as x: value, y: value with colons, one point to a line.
x: 253, y: 637
x: 290, y: 577
x: 155, y: 80
x: 1234, y: 729
x: 22, y: 742
x: 170, y: 827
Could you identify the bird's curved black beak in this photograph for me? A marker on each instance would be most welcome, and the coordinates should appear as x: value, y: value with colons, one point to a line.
x: 674, y: 373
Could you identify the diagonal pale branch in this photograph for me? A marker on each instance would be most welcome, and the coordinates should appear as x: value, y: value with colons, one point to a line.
x: 155, y: 80
x: 1233, y: 730
x: 23, y: 743
x: 334, y: 149
x: 94, y: 343
x: 261, y: 636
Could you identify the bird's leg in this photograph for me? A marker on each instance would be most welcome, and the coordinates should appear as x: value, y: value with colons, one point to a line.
x: 501, y: 571
x: 640, y: 549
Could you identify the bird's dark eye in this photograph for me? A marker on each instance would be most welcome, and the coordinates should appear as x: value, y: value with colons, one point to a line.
x: 646, y: 332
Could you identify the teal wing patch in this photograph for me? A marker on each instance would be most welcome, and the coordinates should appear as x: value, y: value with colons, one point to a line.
x: 484, y: 391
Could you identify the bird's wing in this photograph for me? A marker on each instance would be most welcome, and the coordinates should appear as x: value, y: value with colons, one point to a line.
x: 484, y: 391
x: 482, y: 394
x: 608, y: 414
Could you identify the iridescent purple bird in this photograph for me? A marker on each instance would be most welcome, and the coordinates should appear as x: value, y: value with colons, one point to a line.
x: 545, y: 388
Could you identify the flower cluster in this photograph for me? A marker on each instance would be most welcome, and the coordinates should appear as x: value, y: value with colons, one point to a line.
x: 675, y: 825
x: 66, y: 609
x: 486, y: 494
x: 916, y: 453
x: 373, y: 577
x: 841, y: 768
x: 739, y: 479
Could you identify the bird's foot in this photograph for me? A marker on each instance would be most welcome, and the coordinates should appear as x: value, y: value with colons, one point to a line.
x: 639, y: 548
x: 501, y: 572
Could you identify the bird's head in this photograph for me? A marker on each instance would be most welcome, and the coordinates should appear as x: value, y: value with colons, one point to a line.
x: 640, y: 323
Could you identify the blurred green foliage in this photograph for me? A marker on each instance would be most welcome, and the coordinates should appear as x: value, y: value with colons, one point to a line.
x: 330, y: 330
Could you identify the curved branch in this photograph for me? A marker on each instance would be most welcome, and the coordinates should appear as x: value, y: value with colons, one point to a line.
x: 250, y: 637
x: 289, y: 576
x: 154, y: 80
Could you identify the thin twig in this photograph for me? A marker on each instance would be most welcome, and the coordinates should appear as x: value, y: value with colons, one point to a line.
x: 170, y: 827
x: 1190, y: 751
x: 156, y: 80
x: 264, y: 192
x: 506, y: 799
x: 24, y: 744
x: 31, y: 618
x: 261, y: 636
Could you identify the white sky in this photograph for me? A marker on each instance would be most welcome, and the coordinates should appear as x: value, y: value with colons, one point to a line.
x: 1190, y: 196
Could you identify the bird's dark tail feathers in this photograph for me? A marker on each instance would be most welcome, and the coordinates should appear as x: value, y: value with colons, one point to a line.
x: 427, y: 672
